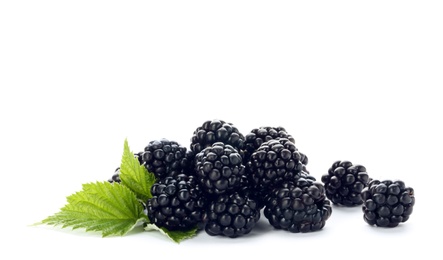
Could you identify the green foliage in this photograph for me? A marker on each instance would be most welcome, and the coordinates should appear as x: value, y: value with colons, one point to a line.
x: 111, y: 209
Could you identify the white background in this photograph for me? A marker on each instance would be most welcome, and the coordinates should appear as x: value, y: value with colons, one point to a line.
x: 350, y: 80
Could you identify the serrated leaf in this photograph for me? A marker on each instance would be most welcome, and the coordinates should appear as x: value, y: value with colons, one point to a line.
x: 176, y: 236
x: 135, y: 176
x: 111, y: 209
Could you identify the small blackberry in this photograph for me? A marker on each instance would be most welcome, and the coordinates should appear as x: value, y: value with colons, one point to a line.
x: 232, y: 215
x: 387, y: 203
x: 274, y: 162
x: 176, y: 203
x: 258, y: 136
x: 299, y: 206
x: 344, y: 183
x: 166, y: 158
x: 216, y: 131
x: 219, y: 168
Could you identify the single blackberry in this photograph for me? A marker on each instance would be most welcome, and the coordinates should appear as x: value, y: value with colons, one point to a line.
x: 387, y: 203
x: 274, y: 162
x: 177, y: 203
x: 166, y: 158
x: 216, y: 131
x: 219, y: 168
x: 116, y: 176
x: 232, y: 215
x: 299, y: 206
x: 344, y: 183
x: 258, y: 136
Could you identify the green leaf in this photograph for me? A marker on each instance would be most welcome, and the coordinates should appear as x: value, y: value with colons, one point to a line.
x: 176, y: 236
x: 109, y: 208
x: 135, y: 176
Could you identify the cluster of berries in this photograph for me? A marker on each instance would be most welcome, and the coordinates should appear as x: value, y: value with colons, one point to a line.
x: 223, y: 182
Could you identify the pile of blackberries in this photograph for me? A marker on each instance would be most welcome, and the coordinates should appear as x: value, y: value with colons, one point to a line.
x: 223, y: 182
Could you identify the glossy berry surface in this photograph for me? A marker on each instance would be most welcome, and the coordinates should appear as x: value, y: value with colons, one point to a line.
x: 219, y: 169
x: 232, y: 215
x: 258, y: 136
x: 213, y: 131
x: 344, y: 183
x: 166, y: 158
x: 387, y: 203
x: 176, y: 203
x: 272, y: 163
x: 116, y: 176
x: 299, y: 206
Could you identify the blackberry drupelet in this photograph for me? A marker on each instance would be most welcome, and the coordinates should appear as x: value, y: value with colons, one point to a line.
x: 219, y: 169
x: 258, y: 136
x: 387, y: 203
x: 116, y: 176
x: 256, y: 195
x: 304, y: 161
x: 299, y: 206
x: 139, y: 157
x: 232, y: 215
x: 166, y: 158
x: 344, y: 183
x: 177, y: 203
x: 216, y: 131
x: 274, y: 162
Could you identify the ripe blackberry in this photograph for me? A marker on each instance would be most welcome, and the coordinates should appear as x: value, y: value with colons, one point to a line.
x: 232, y: 215
x: 299, y: 206
x: 274, y: 162
x: 166, y: 158
x: 176, y: 204
x: 344, y: 183
x: 258, y: 136
x: 387, y: 203
x: 216, y: 131
x: 219, y: 168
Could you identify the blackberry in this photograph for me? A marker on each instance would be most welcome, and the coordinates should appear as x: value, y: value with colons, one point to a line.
x: 258, y: 136
x: 166, y: 158
x: 232, y: 215
x: 299, y: 206
x: 216, y: 131
x: 344, y: 183
x: 219, y: 168
x: 274, y: 162
x: 177, y: 203
x: 260, y: 196
x: 387, y: 203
